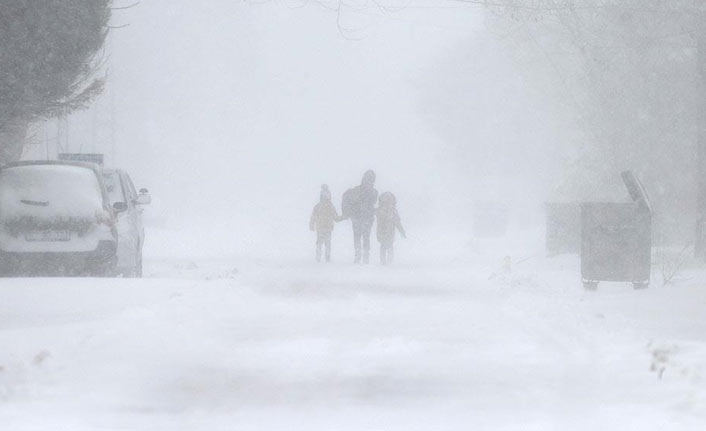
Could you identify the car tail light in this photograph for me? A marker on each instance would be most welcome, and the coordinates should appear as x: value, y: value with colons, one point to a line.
x: 106, y: 218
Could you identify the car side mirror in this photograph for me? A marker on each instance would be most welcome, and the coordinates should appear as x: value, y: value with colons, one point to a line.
x: 120, y: 207
x: 143, y: 198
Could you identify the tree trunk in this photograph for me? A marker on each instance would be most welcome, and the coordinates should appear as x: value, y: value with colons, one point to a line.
x: 700, y: 240
x: 12, y: 140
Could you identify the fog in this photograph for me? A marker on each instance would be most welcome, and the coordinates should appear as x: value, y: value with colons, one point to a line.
x: 507, y: 306
x: 234, y: 114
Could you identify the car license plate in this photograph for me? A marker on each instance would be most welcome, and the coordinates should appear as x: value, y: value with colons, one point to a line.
x: 48, y: 235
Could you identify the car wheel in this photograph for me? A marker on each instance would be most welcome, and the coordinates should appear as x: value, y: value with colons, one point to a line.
x: 639, y: 285
x: 102, y: 269
x: 590, y: 285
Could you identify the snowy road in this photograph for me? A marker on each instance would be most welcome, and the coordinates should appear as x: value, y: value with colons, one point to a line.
x: 259, y: 345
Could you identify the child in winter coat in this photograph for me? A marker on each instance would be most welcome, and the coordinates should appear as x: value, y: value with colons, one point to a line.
x: 322, y: 221
x: 387, y: 221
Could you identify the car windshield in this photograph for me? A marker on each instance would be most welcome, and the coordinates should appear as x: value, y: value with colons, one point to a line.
x: 112, y: 183
x: 49, y: 191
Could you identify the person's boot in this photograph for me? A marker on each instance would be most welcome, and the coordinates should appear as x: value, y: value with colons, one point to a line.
x: 357, y: 257
x: 318, y: 255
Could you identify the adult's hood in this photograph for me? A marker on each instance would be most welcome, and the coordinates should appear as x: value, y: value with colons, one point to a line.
x: 368, y: 178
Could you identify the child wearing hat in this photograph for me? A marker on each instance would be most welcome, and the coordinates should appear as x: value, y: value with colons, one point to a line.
x: 388, y: 220
x: 322, y: 220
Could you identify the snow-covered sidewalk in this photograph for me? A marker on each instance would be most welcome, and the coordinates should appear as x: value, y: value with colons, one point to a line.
x: 259, y: 345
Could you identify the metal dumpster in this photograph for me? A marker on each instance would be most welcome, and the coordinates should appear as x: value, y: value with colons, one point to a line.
x: 616, y: 239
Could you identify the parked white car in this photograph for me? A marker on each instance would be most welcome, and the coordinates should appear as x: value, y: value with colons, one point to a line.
x: 127, y: 206
x: 55, y: 219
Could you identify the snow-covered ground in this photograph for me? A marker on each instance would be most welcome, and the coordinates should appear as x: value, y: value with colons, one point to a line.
x: 273, y: 344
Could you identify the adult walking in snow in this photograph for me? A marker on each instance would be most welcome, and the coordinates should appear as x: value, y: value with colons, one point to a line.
x: 359, y: 206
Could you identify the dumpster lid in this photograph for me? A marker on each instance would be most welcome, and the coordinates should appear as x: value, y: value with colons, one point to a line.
x: 636, y: 190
